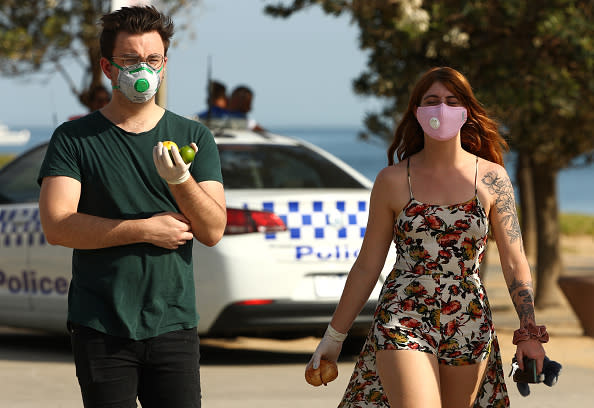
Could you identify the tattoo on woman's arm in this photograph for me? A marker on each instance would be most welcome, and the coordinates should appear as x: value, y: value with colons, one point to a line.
x: 522, y: 295
x: 505, y: 204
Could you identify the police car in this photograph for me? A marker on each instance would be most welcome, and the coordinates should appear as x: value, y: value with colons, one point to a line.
x: 296, y: 216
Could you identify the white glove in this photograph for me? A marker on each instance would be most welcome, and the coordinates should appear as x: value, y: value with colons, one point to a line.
x: 329, y: 347
x: 172, y: 172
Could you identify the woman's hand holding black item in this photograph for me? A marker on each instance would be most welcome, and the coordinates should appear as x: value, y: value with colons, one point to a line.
x: 549, y: 375
x: 529, y: 341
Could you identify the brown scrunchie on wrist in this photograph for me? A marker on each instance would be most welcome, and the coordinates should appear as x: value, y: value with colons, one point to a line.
x: 531, y: 332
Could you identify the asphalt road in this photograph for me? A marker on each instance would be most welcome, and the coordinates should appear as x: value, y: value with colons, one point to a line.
x: 36, y: 370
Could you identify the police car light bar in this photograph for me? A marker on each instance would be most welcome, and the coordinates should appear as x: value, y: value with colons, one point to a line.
x: 242, y: 221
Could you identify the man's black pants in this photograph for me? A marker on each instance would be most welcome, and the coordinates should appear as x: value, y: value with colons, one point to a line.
x: 162, y: 371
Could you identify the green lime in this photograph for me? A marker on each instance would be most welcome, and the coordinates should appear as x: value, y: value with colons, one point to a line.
x: 187, y: 153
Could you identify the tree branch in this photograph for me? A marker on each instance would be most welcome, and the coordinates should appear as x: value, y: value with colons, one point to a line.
x: 67, y: 78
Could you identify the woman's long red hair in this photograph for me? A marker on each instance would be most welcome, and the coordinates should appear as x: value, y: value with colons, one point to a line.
x: 479, y: 134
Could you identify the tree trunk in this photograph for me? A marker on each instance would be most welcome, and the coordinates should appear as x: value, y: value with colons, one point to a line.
x: 96, y: 71
x: 161, y: 97
x: 527, y: 206
x: 90, y: 38
x: 548, y: 261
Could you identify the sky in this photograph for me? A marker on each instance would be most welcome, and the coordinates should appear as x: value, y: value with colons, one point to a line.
x: 301, y: 69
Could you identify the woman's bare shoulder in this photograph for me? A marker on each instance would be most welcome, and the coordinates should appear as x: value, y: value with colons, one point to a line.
x: 490, y: 172
x: 391, y: 186
x: 393, y: 174
x: 494, y: 186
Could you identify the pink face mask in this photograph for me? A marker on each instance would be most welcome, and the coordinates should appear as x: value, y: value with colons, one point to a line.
x: 441, y: 122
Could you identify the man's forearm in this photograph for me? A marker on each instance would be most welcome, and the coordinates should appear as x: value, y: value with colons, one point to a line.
x: 83, y: 231
x: 205, y: 209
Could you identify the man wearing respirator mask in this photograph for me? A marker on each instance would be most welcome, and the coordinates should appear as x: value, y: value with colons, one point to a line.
x: 111, y: 191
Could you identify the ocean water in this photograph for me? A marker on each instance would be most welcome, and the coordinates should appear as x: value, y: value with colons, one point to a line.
x: 575, y: 188
x: 575, y: 185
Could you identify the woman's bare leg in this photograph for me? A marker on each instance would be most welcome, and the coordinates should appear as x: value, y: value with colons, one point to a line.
x: 410, y: 378
x: 460, y: 384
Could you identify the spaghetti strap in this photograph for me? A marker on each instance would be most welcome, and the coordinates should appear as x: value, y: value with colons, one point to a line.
x: 408, y: 176
x: 475, y: 177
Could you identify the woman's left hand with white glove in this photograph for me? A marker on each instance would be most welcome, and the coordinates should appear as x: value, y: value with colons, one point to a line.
x: 328, y: 349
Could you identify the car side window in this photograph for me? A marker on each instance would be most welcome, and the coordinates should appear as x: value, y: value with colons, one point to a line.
x: 280, y: 166
x: 18, y: 179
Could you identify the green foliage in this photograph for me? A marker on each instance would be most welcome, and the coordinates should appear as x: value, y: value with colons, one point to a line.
x: 5, y: 158
x: 34, y: 33
x: 577, y: 224
x: 39, y: 35
x: 530, y: 64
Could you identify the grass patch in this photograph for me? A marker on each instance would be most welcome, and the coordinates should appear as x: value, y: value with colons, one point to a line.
x: 5, y: 158
x: 577, y: 224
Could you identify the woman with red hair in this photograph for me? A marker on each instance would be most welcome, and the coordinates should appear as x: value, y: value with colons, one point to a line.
x: 432, y: 342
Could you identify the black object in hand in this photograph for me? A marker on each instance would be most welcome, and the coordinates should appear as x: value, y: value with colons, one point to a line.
x: 550, y: 374
x: 528, y: 374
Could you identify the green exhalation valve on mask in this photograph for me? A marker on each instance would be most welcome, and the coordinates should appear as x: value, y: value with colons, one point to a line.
x: 141, y: 85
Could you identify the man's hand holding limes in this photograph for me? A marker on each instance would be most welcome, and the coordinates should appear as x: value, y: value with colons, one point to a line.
x: 171, y: 166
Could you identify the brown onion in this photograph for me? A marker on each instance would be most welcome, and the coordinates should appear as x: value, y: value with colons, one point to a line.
x: 326, y: 372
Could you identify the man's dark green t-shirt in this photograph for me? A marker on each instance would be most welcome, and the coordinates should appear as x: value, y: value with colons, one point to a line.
x: 141, y: 290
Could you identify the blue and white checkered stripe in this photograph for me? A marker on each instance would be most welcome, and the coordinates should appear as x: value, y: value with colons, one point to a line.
x: 336, y: 219
x: 20, y: 227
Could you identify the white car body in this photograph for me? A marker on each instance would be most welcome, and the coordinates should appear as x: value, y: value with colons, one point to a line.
x: 270, y: 282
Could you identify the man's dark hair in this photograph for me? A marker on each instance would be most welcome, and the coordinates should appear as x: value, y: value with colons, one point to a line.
x: 97, y: 97
x: 217, y: 90
x: 134, y: 20
x: 96, y: 90
x: 241, y: 89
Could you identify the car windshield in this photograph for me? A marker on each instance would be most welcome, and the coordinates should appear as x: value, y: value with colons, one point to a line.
x: 243, y: 167
x: 18, y: 179
x: 280, y: 166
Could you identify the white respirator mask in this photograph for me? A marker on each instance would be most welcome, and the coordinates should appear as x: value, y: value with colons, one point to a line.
x: 139, y: 82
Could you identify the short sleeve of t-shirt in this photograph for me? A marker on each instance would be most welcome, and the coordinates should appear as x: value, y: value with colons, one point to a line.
x: 61, y: 158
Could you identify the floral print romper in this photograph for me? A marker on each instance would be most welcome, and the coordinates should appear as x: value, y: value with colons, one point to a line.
x: 433, y: 301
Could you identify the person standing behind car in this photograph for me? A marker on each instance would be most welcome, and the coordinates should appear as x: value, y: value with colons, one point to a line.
x: 217, y: 102
x: 110, y: 190
x: 98, y: 97
x: 240, y: 105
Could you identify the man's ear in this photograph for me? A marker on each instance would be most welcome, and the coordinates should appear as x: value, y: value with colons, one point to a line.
x: 106, y: 67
